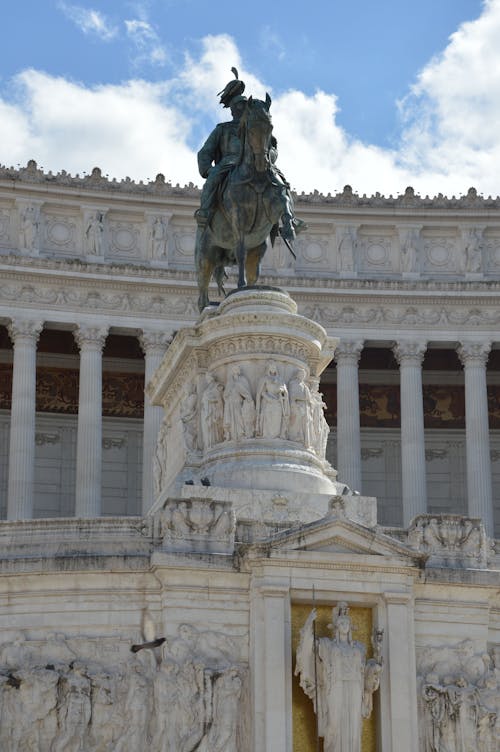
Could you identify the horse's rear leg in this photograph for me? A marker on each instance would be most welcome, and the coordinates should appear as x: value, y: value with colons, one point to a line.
x: 240, y: 258
x: 204, y: 269
x: 254, y: 258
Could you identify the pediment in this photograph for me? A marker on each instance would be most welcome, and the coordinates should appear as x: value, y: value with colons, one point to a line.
x: 341, y: 536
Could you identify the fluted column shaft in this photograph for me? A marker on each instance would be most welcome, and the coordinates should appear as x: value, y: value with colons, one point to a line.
x: 90, y: 340
x: 410, y: 356
x: 477, y: 438
x: 154, y: 345
x: 20, y: 494
x: 348, y: 431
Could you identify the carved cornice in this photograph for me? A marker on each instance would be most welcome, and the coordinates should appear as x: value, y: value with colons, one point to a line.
x: 347, y: 198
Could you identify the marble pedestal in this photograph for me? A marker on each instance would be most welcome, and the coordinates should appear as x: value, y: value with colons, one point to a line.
x: 241, y: 402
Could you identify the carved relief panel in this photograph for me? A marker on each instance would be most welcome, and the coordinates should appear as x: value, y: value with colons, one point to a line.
x: 441, y: 251
x: 377, y: 250
x: 61, y: 234
x: 183, y: 241
x: 315, y: 251
x: 5, y: 228
x: 124, y: 238
x: 491, y: 250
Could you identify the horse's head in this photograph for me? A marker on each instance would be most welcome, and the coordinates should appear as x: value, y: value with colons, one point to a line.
x: 256, y: 122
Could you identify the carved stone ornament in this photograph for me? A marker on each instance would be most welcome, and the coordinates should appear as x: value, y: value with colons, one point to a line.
x: 450, y: 538
x: 335, y: 674
x: 272, y: 404
x: 189, y: 418
x: 459, y: 699
x: 197, y: 525
x: 73, y: 694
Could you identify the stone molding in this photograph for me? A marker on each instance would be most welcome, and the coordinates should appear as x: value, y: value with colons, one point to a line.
x: 32, y: 174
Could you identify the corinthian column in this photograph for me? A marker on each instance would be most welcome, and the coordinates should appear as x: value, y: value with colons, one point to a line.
x: 410, y: 356
x: 90, y: 340
x: 20, y: 494
x: 154, y: 345
x: 348, y: 433
x: 477, y: 438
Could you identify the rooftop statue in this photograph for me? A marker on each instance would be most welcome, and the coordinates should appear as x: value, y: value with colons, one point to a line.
x: 246, y: 198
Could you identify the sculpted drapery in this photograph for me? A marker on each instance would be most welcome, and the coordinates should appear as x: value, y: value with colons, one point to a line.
x: 342, y: 682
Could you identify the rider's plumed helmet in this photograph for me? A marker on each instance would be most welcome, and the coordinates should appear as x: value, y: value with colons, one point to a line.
x: 233, y: 89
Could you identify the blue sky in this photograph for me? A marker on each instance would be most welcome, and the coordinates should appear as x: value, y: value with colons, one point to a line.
x: 377, y: 94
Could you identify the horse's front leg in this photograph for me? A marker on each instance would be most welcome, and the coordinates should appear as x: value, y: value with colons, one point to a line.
x: 240, y: 257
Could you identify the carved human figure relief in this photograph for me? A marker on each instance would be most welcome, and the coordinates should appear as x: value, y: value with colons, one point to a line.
x: 410, y: 249
x: 301, y: 409
x: 236, y: 393
x: 160, y: 457
x: 158, y: 238
x: 320, y: 429
x: 336, y: 672
x: 212, y: 413
x: 29, y: 229
x: 272, y: 405
x: 347, y: 248
x: 226, y: 695
x: 473, y: 248
x: 460, y: 700
x: 189, y: 418
x: 94, y: 234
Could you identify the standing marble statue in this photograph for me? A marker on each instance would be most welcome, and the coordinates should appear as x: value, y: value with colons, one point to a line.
x: 236, y: 393
x: 189, y: 418
x: 211, y: 413
x: 337, y: 673
x: 94, y: 233
x: 300, y: 429
x: 272, y: 404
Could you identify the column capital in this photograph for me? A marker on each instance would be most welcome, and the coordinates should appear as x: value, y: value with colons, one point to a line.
x: 348, y: 351
x: 154, y: 342
x: 410, y: 352
x: 474, y: 353
x: 25, y: 329
x: 90, y: 337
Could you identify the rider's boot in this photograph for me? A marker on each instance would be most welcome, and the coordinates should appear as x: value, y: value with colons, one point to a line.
x: 299, y: 225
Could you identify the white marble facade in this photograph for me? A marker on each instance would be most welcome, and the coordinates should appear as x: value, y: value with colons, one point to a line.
x: 156, y: 534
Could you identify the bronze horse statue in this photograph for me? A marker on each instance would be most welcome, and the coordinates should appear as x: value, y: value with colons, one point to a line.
x: 248, y: 208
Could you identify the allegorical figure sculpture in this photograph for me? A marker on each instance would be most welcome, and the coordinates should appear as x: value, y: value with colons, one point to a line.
x: 272, y: 404
x: 246, y: 198
x: 300, y: 429
x: 236, y: 393
x: 212, y: 410
x: 336, y: 672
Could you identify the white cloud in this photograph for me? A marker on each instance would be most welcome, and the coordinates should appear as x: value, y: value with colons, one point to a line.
x: 125, y: 130
x: 450, y: 138
x: 89, y: 21
x: 146, y: 41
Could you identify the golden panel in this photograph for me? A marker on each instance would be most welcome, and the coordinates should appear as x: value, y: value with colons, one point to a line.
x: 303, y: 718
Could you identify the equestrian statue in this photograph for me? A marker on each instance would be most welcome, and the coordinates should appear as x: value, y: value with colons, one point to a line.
x: 246, y: 198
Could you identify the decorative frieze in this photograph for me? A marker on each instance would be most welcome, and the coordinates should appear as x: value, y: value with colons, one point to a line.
x: 197, y: 525
x: 450, y: 540
x: 459, y: 700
